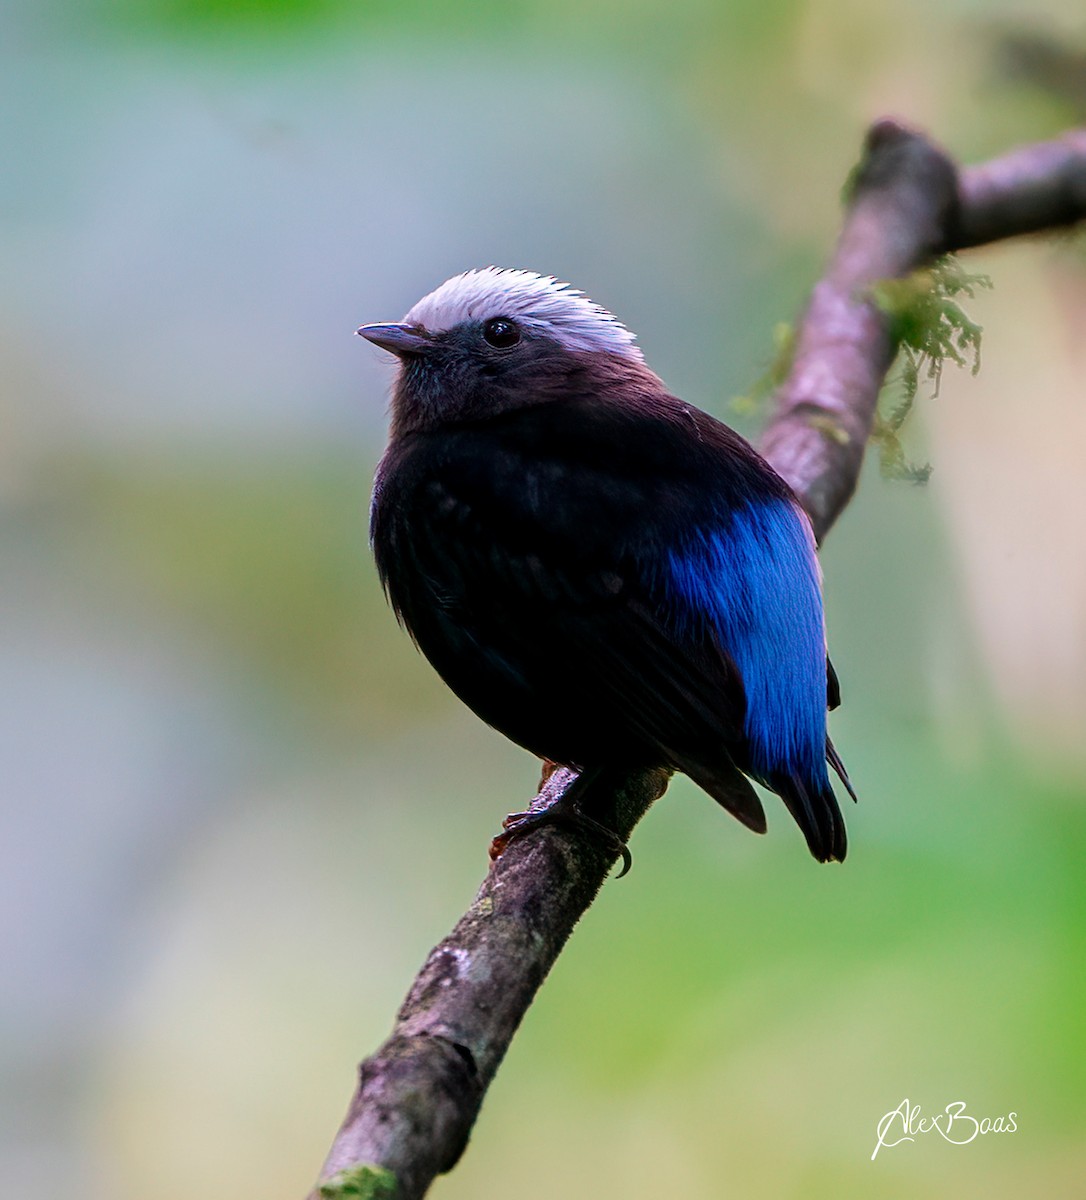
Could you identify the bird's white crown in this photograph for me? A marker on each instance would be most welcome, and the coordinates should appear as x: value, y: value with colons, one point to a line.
x: 539, y: 302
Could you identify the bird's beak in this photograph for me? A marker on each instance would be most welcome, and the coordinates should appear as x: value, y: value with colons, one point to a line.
x: 399, y: 339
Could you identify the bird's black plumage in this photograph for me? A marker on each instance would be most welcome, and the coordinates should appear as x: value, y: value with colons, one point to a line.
x: 534, y: 523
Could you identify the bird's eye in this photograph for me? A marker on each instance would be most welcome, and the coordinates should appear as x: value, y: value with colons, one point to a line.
x: 501, y: 333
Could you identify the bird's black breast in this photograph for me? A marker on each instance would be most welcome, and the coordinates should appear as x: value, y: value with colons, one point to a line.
x: 523, y: 552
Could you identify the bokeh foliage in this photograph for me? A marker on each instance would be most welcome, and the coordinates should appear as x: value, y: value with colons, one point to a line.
x: 240, y: 809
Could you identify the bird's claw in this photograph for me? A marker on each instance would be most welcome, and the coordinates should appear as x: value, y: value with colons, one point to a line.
x: 517, y: 824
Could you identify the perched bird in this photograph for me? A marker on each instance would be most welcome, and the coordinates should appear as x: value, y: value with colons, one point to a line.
x: 607, y: 575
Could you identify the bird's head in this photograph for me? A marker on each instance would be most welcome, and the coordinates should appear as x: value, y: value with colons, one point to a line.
x: 494, y: 339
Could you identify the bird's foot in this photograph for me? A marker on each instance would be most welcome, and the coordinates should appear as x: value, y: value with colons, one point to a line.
x: 563, y: 811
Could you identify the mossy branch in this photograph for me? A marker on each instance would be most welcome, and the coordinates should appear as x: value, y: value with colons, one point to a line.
x: 361, y: 1182
x: 931, y: 328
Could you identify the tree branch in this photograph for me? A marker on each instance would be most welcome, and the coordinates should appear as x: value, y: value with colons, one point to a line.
x: 1030, y: 190
x: 419, y: 1095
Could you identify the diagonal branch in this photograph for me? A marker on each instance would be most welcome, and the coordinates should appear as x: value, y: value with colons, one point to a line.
x: 909, y: 204
x: 419, y: 1094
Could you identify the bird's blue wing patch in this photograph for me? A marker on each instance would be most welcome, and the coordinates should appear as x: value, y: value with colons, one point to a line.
x: 754, y: 576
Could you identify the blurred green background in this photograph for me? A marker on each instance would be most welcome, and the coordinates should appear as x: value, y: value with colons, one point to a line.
x: 238, y: 809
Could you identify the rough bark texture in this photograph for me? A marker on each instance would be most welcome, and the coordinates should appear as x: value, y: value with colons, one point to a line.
x: 904, y: 200
x: 419, y: 1094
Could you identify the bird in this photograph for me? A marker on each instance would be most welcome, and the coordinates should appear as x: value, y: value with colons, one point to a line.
x: 606, y: 574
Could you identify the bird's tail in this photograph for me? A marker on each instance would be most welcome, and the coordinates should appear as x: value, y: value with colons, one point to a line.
x: 814, y: 809
x: 834, y: 759
x: 814, y: 806
x: 730, y: 788
x: 812, y: 803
